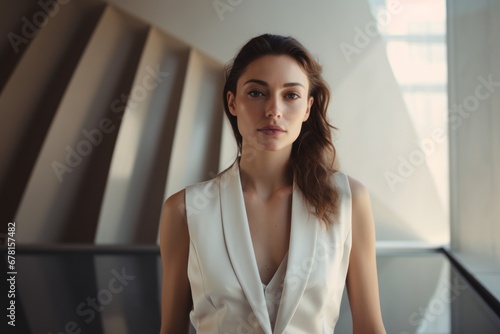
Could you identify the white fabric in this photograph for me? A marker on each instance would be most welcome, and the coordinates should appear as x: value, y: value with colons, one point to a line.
x: 273, y: 291
x: 228, y: 295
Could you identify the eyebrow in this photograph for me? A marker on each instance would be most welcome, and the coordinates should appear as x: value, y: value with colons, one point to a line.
x: 263, y: 83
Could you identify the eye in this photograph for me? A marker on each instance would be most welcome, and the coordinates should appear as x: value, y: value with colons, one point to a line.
x: 255, y: 93
x: 292, y: 96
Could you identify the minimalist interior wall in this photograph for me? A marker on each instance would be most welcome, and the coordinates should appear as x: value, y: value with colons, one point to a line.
x: 37, y: 66
x: 474, y: 91
x: 377, y: 129
x: 75, y: 69
x: 96, y: 113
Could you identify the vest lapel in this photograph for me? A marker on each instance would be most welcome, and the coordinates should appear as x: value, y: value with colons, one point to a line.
x: 239, y: 244
x: 301, y: 256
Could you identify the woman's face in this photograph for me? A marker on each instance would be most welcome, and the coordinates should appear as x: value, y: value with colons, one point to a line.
x: 271, y: 103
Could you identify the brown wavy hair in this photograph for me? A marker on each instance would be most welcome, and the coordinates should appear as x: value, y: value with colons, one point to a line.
x: 313, y: 154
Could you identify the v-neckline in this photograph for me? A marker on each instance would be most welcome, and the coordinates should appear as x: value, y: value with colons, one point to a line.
x: 279, y: 271
x: 247, y: 224
x: 304, y: 232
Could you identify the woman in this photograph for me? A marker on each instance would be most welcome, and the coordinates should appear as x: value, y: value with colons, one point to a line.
x: 268, y: 245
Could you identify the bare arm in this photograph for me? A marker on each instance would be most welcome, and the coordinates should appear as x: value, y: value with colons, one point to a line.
x: 362, y: 282
x: 176, y: 301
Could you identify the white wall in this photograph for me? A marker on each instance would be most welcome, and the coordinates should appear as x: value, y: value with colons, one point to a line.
x: 367, y: 105
x: 474, y: 51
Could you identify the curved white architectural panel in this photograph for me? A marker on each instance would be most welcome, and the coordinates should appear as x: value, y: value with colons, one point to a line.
x: 132, y: 202
x: 63, y: 195
x: 34, y: 74
x: 196, y: 145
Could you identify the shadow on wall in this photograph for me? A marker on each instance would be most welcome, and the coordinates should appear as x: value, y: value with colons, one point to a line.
x: 90, y: 159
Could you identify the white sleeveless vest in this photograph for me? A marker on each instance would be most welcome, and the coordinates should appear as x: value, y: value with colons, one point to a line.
x: 228, y: 295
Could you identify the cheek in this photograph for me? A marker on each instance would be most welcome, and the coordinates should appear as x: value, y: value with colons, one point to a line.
x: 295, y: 122
x: 246, y: 120
x: 296, y: 116
x: 250, y: 111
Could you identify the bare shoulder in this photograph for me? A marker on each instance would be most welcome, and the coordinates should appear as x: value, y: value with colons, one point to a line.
x: 175, y: 205
x: 361, y: 204
x: 359, y: 192
x: 173, y: 217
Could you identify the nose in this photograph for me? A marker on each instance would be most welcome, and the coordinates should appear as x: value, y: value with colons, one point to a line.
x: 273, y: 107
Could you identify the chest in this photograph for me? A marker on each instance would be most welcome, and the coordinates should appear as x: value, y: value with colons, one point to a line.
x: 269, y: 223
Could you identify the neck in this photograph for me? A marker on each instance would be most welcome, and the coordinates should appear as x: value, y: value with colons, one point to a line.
x: 265, y: 172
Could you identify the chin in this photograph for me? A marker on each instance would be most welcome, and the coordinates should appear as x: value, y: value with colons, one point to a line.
x: 276, y: 148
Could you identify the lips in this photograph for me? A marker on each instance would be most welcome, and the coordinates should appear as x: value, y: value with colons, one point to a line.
x: 271, y: 130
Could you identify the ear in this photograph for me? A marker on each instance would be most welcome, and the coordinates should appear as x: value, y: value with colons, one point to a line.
x: 231, y: 102
x: 308, y: 111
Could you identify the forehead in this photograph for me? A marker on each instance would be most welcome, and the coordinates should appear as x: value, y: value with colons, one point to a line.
x: 275, y: 70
